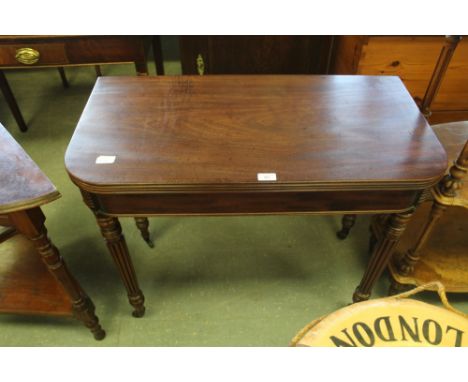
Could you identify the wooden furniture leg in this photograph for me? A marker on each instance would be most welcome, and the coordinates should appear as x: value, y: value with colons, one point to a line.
x: 112, y: 233
x: 31, y: 224
x: 63, y: 77
x: 97, y: 68
x: 347, y: 223
x: 8, y: 94
x: 445, y: 190
x: 382, y: 253
x: 141, y: 68
x: 405, y: 264
x: 143, y: 224
x: 157, y: 53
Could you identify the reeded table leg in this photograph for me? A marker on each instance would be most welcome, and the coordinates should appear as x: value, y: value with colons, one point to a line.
x: 347, y: 223
x: 112, y: 232
x: 31, y: 224
x: 382, y: 253
x: 143, y: 224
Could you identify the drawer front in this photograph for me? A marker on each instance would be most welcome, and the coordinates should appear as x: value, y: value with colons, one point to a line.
x: 33, y: 54
x: 107, y: 49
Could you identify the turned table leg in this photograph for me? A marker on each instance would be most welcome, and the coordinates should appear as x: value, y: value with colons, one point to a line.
x: 405, y: 264
x: 143, y: 224
x: 382, y: 253
x: 347, y: 223
x: 31, y: 224
x: 112, y: 233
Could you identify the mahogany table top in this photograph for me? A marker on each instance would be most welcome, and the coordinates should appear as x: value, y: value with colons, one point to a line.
x: 202, y: 133
x: 22, y: 183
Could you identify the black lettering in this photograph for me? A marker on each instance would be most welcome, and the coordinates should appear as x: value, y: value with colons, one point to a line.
x: 359, y: 336
x: 390, y: 336
x: 340, y: 343
x: 414, y: 334
x: 438, y: 332
x: 458, y: 339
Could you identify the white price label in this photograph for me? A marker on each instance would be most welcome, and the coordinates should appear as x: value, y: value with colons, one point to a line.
x: 105, y: 159
x: 266, y: 177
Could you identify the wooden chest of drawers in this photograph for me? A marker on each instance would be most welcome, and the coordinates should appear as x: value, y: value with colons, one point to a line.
x: 413, y: 58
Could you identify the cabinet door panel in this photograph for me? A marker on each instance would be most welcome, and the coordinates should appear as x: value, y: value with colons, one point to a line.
x: 256, y: 54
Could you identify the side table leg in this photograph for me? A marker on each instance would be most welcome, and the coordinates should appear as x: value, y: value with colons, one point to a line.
x: 112, y: 232
x: 31, y: 224
x: 10, y: 98
x: 347, y: 223
x: 158, y: 57
x: 382, y: 254
x: 405, y: 265
x: 141, y: 68
x: 143, y: 224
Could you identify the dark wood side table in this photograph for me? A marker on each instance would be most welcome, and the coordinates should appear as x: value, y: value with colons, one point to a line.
x: 28, y: 285
x: 20, y: 52
x: 193, y: 145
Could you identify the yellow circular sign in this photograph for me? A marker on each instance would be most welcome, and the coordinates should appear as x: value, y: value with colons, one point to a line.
x: 387, y: 322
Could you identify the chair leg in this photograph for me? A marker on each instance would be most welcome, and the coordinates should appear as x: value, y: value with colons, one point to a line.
x: 346, y: 224
x: 63, y: 77
x: 11, y: 101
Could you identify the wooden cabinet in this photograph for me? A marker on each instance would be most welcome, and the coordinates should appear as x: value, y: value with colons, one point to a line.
x: 255, y: 54
x: 413, y: 58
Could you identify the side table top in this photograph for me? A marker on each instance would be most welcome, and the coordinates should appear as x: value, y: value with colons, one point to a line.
x: 22, y: 183
x: 205, y: 133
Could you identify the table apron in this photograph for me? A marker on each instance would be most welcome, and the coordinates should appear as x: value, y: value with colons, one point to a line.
x: 256, y: 203
x: 81, y: 50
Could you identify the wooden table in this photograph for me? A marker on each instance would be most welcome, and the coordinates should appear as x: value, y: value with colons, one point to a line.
x: 241, y: 145
x: 22, y: 52
x: 28, y: 285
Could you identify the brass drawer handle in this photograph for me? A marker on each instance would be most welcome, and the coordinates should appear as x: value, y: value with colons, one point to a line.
x: 27, y: 56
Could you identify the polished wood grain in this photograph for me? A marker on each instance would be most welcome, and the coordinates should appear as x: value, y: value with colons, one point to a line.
x: 24, y: 286
x: 74, y: 50
x: 216, y: 133
x: 194, y: 145
x: 65, y: 51
x: 434, y: 247
x: 22, y: 183
x: 16, y: 289
x: 259, y: 202
x: 424, y: 104
x: 413, y: 58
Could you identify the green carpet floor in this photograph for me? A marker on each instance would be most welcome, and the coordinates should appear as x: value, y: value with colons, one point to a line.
x: 212, y: 281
